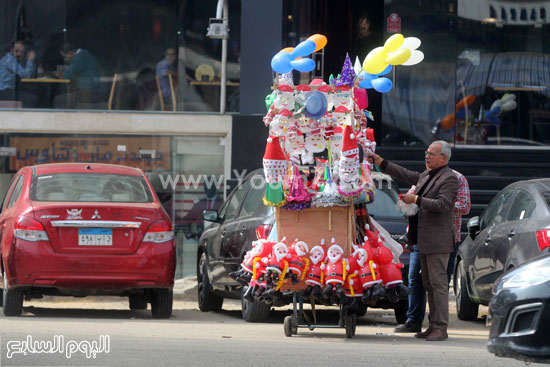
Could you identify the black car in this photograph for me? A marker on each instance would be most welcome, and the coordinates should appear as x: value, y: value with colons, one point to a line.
x: 519, y: 313
x: 243, y: 218
x: 512, y: 230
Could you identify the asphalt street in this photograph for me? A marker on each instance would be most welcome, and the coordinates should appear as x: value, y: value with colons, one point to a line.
x: 194, y: 338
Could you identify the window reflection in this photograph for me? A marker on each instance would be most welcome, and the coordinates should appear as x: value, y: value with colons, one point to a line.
x: 127, y: 41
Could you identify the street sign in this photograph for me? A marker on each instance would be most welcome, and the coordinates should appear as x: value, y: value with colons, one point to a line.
x: 393, y: 23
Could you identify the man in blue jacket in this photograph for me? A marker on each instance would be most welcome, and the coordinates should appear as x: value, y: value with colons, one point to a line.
x: 84, y: 72
x: 10, y: 67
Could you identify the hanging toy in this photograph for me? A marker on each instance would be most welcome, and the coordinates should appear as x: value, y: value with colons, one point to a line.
x: 297, y: 263
x: 298, y: 197
x: 315, y: 276
x: 335, y: 271
x: 275, y: 171
x: 353, y: 286
x: 349, y: 186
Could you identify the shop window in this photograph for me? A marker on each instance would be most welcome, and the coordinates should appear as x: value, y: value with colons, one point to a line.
x: 513, y: 14
x: 492, y: 12
x: 503, y: 14
x: 523, y: 14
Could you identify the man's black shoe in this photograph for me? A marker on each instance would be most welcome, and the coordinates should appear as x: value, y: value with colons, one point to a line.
x: 408, y: 328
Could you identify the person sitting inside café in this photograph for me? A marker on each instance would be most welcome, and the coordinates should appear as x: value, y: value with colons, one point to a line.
x: 11, y: 67
x: 84, y: 72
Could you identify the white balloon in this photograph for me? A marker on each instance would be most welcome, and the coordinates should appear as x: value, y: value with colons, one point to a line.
x: 508, y: 97
x: 508, y: 106
x: 357, y: 66
x: 416, y: 58
x: 412, y: 43
x: 497, y: 103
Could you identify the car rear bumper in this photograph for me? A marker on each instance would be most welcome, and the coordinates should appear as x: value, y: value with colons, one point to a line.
x: 38, y: 265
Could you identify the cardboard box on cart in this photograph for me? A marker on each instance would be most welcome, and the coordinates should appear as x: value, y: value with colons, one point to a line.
x: 313, y: 224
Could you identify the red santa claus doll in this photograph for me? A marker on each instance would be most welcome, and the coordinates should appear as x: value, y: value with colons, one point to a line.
x: 257, y: 260
x: 315, y: 275
x: 369, y: 276
x: 353, y: 286
x: 335, y: 271
x: 244, y: 275
x: 277, y: 263
x: 297, y: 262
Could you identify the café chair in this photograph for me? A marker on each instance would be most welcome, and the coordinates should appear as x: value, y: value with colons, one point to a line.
x: 172, y: 93
x: 112, y: 93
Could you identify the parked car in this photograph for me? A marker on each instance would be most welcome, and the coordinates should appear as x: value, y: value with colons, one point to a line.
x: 519, y: 313
x: 78, y: 229
x: 243, y: 218
x: 513, y: 229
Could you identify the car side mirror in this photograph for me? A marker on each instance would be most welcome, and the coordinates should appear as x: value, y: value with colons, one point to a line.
x: 210, y: 216
x: 473, y: 226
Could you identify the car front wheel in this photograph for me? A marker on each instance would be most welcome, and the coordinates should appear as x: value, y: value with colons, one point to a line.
x: 465, y: 309
x: 208, y: 301
x: 12, y: 299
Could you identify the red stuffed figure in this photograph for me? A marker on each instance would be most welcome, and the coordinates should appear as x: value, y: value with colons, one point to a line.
x: 353, y: 286
x: 315, y: 276
x: 297, y: 262
x: 335, y: 271
x: 244, y: 275
x: 258, y: 259
x: 369, y: 276
x: 392, y: 280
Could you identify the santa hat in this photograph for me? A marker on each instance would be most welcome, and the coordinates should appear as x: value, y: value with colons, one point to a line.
x: 342, y: 88
x: 349, y: 145
x: 325, y: 89
x: 303, y: 88
x: 370, y: 134
x: 341, y: 109
x: 274, y: 169
x: 316, y: 82
x: 335, y: 246
x: 285, y: 88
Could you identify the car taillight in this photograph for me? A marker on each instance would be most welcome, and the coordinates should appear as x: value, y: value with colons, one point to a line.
x: 543, y: 238
x: 263, y: 231
x: 158, y: 232
x: 29, y: 229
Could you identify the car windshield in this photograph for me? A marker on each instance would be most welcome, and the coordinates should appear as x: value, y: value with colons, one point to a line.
x: 385, y: 198
x: 94, y: 187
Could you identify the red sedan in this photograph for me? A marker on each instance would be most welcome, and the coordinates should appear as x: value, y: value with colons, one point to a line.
x: 78, y: 229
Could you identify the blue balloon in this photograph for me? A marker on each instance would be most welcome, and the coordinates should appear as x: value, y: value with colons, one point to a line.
x: 303, y: 49
x: 386, y: 70
x: 304, y: 65
x: 366, y: 84
x: 280, y: 63
x: 382, y: 85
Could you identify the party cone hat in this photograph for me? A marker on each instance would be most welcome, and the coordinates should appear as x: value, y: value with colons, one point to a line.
x: 298, y: 197
x: 275, y: 171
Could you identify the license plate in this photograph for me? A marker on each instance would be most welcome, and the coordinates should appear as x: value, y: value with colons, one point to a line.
x: 95, y: 237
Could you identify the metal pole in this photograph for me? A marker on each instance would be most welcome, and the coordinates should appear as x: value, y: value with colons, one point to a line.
x: 223, y: 85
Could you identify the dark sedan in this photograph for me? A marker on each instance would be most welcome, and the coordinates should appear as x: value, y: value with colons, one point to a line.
x: 519, y: 313
x: 513, y: 229
x: 243, y: 218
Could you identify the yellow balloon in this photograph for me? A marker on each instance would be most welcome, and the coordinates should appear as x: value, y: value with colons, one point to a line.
x: 398, y: 57
x: 374, y: 62
x: 393, y: 43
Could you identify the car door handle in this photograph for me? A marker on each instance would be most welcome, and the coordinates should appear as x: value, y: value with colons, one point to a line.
x: 223, y: 233
x: 487, y: 241
x: 243, y: 229
x: 511, y: 234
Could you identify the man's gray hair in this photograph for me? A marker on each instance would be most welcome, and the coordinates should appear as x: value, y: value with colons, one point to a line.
x: 445, y: 148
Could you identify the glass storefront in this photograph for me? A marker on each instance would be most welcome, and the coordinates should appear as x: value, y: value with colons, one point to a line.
x: 187, y: 172
x: 150, y: 55
x: 484, y: 80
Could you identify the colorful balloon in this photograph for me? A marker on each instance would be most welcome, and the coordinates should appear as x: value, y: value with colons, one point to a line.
x: 448, y: 121
x: 374, y: 63
x: 319, y: 40
x: 398, y: 57
x: 393, y: 43
x: 303, y: 49
x: 411, y: 43
x: 416, y: 58
x: 386, y: 70
x: 304, y: 65
x: 382, y: 85
x: 287, y: 49
x: 280, y: 63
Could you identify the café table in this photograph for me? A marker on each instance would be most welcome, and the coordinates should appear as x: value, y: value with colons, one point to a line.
x: 48, y: 82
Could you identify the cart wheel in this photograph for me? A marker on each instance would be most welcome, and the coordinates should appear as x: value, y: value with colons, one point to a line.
x: 354, y: 323
x: 288, y: 326
x: 348, y: 324
x: 294, y: 325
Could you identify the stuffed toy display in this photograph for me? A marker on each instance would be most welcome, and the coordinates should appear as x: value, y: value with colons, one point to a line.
x: 298, y: 262
x: 315, y: 272
x: 335, y: 271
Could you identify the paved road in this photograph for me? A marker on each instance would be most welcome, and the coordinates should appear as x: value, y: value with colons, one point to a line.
x: 193, y: 338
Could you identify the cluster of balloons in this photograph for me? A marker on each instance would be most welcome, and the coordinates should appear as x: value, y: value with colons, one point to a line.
x: 504, y: 104
x: 448, y: 121
x: 291, y: 58
x: 375, y: 81
x: 397, y: 50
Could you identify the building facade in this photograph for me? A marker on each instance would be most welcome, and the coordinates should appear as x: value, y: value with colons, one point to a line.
x: 157, y: 82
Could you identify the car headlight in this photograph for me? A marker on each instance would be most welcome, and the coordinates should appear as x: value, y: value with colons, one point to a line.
x: 534, y: 273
